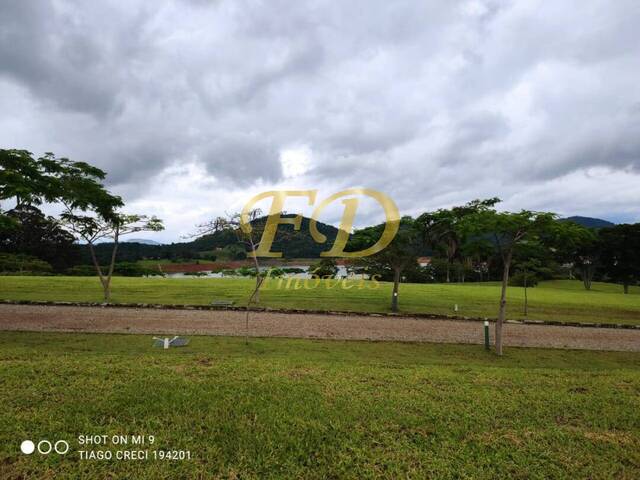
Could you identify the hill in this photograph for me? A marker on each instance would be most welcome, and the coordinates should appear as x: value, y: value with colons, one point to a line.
x: 144, y: 241
x: 292, y: 243
x: 590, y: 222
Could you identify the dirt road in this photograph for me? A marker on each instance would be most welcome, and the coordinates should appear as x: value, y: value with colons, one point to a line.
x: 272, y: 324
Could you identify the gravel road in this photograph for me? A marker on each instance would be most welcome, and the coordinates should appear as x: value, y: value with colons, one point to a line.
x: 273, y: 324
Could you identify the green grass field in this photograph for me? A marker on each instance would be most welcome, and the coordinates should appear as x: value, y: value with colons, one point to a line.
x: 562, y: 300
x: 319, y: 409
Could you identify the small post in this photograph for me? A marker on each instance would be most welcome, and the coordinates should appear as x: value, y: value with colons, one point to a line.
x: 455, y: 307
x: 166, y: 343
x: 486, y: 335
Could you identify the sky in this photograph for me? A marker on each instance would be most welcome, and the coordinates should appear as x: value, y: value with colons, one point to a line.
x: 192, y: 107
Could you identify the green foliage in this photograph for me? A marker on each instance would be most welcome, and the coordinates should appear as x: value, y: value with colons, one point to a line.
x: 443, y: 231
x: 325, y: 268
x: 32, y: 181
x: 521, y: 279
x: 38, y: 235
x: 245, y: 271
x: 23, y: 264
x: 275, y: 272
x: 82, y: 271
x: 233, y: 251
x: 121, y: 269
x: 621, y: 255
x: 293, y: 270
x: 402, y: 252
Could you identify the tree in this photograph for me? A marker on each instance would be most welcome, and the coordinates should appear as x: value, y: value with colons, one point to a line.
x: 30, y: 181
x: 39, y: 235
x: 527, y: 268
x: 509, y: 231
x: 113, y: 226
x: 442, y: 229
x: 402, y: 252
x: 580, y: 247
x: 478, y: 251
x: 621, y: 254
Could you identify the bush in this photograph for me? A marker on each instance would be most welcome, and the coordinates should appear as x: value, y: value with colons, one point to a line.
x: 324, y: 268
x: 275, y: 272
x: 246, y: 271
x: 23, y: 264
x: 81, y: 271
x: 122, y: 269
x: 517, y: 280
x: 293, y: 270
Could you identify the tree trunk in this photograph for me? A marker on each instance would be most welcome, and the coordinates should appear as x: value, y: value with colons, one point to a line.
x: 625, y: 286
x: 256, y: 293
x: 103, y: 281
x: 526, y: 302
x: 588, y: 272
x: 394, y: 296
x: 106, y: 285
x: 258, y: 282
x: 448, y: 272
x: 503, y: 301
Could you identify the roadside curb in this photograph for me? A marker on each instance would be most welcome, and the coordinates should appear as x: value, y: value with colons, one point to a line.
x: 316, y: 312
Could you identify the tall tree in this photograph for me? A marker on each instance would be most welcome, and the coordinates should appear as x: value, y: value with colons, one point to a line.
x: 509, y: 231
x: 621, y: 254
x: 92, y: 228
x: 443, y: 230
x: 579, y: 247
x: 401, y: 253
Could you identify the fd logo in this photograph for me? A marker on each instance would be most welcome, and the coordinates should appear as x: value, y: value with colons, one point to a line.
x: 274, y: 218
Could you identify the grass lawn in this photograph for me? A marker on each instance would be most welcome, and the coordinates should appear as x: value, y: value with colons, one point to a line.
x: 556, y: 300
x: 282, y: 408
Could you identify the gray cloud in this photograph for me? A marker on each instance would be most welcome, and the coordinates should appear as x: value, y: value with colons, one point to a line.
x: 434, y: 102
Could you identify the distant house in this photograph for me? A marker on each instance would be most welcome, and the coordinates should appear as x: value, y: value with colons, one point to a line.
x: 424, y: 261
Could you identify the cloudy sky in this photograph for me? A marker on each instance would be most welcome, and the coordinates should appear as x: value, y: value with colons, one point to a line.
x: 193, y: 107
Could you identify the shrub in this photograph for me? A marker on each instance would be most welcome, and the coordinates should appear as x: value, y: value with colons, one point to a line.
x: 324, y: 268
x: 122, y: 269
x: 517, y: 280
x: 23, y: 264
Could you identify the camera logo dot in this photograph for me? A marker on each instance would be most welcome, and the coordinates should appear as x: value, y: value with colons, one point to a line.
x: 45, y: 447
x: 61, y: 447
x: 27, y: 447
